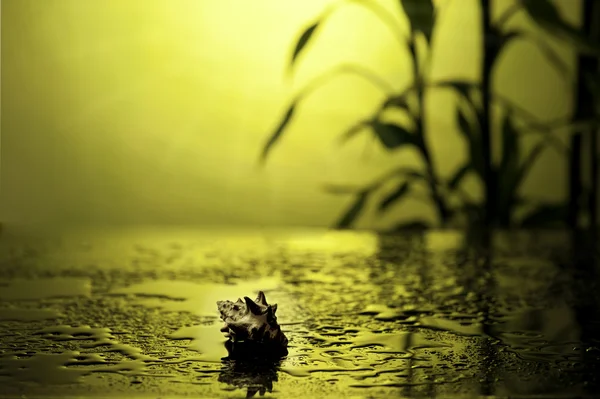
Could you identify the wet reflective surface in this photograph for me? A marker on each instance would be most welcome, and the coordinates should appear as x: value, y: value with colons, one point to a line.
x: 133, y: 312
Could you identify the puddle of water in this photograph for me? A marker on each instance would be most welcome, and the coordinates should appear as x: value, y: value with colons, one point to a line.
x: 69, y: 367
x: 43, y: 368
x: 208, y: 340
x: 400, y: 343
x: 93, y: 337
x: 541, y: 334
x: 358, y: 354
x: 21, y: 289
x: 455, y: 327
x: 383, y: 312
x: 20, y: 314
x: 404, y: 384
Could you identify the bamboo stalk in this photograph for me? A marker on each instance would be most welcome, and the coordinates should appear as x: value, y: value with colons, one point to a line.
x: 441, y: 207
x: 575, y: 184
x: 485, y: 115
x: 594, y: 163
x: 593, y: 202
x: 584, y: 108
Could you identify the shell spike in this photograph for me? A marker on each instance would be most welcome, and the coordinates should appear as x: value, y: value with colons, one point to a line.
x: 251, y: 306
x: 261, y: 299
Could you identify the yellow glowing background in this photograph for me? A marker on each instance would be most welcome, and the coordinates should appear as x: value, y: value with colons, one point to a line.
x: 155, y: 111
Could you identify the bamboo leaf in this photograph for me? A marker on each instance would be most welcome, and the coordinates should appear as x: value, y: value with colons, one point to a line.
x: 583, y: 125
x: 349, y: 69
x: 509, y: 172
x: 421, y: 15
x: 341, y: 189
x: 353, y: 131
x: 546, y: 15
x: 459, y: 175
x: 569, y: 126
x: 528, y: 163
x: 404, y: 172
x: 354, y: 211
x: 545, y: 215
x: 393, y: 136
x: 543, y: 12
x: 509, y: 163
x: 278, y: 132
x: 464, y: 124
x: 303, y: 41
x: 473, y: 142
x: 414, y: 174
x: 505, y: 38
x: 547, y: 51
x: 497, y: 40
x: 461, y: 87
x: 397, y: 102
x: 413, y: 225
x: 394, y: 196
x: 552, y: 56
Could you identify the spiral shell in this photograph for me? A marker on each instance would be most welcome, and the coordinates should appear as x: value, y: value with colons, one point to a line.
x: 252, y: 321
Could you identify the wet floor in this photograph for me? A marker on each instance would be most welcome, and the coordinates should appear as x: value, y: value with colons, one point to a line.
x: 133, y: 312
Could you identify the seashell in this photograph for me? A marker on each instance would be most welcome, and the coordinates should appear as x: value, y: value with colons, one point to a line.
x: 252, y: 322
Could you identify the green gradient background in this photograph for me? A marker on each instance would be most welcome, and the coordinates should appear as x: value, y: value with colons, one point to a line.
x: 148, y: 111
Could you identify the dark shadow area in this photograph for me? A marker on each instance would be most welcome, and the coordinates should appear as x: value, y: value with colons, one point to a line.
x: 528, y: 301
x: 249, y: 367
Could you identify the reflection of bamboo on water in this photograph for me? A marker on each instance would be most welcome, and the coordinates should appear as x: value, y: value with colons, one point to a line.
x: 489, y: 351
x: 582, y: 265
x: 421, y: 289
